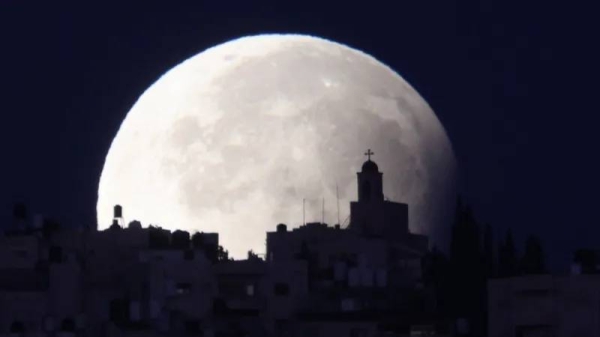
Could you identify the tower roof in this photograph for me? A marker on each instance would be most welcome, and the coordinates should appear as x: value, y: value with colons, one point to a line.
x: 370, y: 166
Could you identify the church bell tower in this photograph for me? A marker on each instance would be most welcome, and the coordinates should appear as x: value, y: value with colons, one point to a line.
x: 370, y: 187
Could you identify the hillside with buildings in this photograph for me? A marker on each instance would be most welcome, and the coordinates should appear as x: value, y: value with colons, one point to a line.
x: 371, y: 278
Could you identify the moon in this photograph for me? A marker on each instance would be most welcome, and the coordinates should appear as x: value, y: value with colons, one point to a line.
x: 234, y: 138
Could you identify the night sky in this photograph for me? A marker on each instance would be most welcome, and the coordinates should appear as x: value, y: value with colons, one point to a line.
x: 513, y: 82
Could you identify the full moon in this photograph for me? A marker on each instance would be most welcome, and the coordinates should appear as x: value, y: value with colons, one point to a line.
x: 234, y: 138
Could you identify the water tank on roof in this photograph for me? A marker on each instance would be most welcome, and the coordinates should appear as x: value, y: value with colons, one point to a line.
x: 281, y: 228
x: 118, y: 211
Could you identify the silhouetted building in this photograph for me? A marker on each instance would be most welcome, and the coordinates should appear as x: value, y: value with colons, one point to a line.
x: 372, y: 215
x: 316, y: 280
x: 334, y: 276
x: 544, y: 305
x: 586, y: 261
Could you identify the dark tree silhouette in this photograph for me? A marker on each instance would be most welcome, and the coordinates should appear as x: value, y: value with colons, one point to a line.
x: 436, y: 271
x: 222, y: 254
x: 587, y: 260
x: 533, y: 257
x: 507, y: 257
x: 49, y: 227
x: 180, y: 239
x: 253, y: 256
x: 468, y: 276
x: 20, y: 211
x: 488, y: 252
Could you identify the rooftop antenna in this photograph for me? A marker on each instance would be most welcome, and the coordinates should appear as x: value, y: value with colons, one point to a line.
x: 323, y: 211
x: 337, y: 196
x: 303, y: 211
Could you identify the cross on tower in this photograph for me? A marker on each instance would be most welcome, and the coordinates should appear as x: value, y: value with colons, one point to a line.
x: 369, y: 153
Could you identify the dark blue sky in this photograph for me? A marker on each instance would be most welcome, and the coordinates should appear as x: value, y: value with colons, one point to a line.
x: 513, y: 82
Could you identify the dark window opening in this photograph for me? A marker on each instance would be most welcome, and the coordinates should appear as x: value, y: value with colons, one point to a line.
x: 281, y: 289
x: 183, y: 288
x: 17, y: 327
x: 68, y: 325
x: 119, y: 311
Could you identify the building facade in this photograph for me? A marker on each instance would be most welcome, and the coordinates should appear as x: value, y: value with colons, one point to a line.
x: 544, y: 305
x: 316, y: 280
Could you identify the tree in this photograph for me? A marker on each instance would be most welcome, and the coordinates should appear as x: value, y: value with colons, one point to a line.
x: 456, y: 237
x: 436, y: 271
x: 20, y: 211
x: 467, y: 273
x: 507, y: 257
x: 222, y: 254
x: 253, y: 256
x: 49, y: 227
x: 488, y: 252
x: 587, y: 259
x: 533, y: 257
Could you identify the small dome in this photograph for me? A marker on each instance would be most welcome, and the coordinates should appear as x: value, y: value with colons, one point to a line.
x: 370, y: 166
